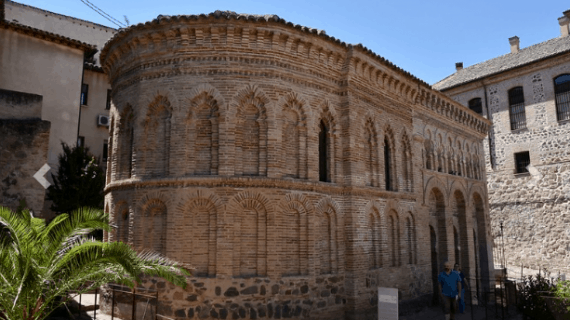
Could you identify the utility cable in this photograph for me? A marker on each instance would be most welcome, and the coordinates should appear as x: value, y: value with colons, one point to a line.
x: 103, y: 14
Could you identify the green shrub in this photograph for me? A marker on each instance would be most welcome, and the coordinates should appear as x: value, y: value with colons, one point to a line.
x: 562, y: 291
x: 531, y: 301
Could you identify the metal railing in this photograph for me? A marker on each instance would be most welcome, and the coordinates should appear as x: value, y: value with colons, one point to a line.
x: 135, y: 293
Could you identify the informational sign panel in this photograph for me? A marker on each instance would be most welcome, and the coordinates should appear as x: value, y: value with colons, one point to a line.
x: 387, y: 304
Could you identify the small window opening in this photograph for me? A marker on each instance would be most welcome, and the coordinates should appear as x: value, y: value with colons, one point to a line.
x: 476, y: 105
x: 522, y: 160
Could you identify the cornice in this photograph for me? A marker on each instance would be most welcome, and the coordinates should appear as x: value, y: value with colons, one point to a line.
x: 257, y: 182
x: 253, y: 21
x: 228, y: 72
x: 225, y: 66
x: 440, y: 105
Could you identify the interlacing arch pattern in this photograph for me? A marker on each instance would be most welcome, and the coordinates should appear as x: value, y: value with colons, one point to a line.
x: 375, y: 235
x: 451, y: 158
x: 122, y: 221
x: 202, y: 132
x: 157, y: 124
x: 406, y: 164
x: 152, y: 226
x: 294, y: 233
x: 198, y: 214
x: 294, y: 137
x: 328, y: 232
x: 371, y: 154
x: 125, y: 147
x: 248, y: 216
x: 251, y: 132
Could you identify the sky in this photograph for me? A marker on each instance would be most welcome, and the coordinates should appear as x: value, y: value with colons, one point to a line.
x: 425, y: 38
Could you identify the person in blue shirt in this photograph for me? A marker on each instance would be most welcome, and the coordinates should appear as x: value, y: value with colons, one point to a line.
x: 457, y: 268
x: 450, y: 287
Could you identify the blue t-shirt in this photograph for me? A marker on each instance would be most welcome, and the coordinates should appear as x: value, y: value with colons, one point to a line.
x: 449, y: 283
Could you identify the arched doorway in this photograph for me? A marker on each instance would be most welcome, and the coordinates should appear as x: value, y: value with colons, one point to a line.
x: 481, y: 241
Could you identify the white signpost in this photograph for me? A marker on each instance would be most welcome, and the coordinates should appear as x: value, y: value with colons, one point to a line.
x: 387, y: 303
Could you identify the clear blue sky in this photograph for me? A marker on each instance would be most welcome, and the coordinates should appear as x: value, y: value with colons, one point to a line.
x: 423, y: 37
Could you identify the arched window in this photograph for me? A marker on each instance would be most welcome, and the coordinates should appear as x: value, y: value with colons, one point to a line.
x: 323, y: 153
x: 374, y: 225
x: 388, y: 169
x: 123, y: 223
x: 406, y: 165
x: 562, y: 91
x: 410, y: 240
x: 371, y: 160
x: 476, y: 105
x: 516, y: 108
x: 394, y: 239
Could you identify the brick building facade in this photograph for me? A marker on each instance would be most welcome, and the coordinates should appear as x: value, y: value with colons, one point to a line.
x: 294, y: 172
x: 526, y: 93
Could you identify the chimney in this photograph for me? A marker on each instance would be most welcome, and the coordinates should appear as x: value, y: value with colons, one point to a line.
x: 514, y: 41
x: 564, y: 21
x: 458, y: 66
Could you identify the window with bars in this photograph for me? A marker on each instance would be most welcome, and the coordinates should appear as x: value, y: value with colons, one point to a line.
x: 522, y: 160
x: 476, y: 105
x: 562, y: 97
x: 516, y: 108
x: 84, y: 94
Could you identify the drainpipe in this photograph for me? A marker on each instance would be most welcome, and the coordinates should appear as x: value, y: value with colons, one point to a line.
x: 87, y: 56
x: 80, y: 89
x: 488, y: 134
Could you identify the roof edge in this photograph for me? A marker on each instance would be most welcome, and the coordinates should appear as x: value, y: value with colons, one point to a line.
x: 503, y: 71
x: 58, y: 14
x: 228, y: 15
x: 48, y: 36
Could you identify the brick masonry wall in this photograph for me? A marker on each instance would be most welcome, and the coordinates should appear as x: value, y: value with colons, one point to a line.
x: 214, y: 161
x: 533, y: 207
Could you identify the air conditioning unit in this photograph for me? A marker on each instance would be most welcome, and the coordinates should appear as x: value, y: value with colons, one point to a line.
x: 103, y: 120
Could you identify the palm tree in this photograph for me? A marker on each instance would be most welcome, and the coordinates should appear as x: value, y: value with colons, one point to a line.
x: 40, y: 263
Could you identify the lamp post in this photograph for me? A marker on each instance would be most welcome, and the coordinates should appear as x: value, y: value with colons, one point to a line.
x: 503, y: 245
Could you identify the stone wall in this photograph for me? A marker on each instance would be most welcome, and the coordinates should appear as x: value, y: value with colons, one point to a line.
x: 534, y: 206
x: 23, y: 149
x: 288, y: 168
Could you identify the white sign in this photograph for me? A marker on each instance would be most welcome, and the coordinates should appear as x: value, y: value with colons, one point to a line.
x: 40, y: 176
x: 387, y: 303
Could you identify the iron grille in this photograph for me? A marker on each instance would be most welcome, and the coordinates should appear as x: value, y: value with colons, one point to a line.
x: 516, y: 108
x: 522, y: 160
x: 562, y: 90
x: 476, y: 105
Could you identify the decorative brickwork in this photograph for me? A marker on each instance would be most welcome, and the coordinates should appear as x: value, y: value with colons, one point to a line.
x: 288, y: 168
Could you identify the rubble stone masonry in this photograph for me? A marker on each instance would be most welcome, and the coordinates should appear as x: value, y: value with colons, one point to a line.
x: 294, y: 172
